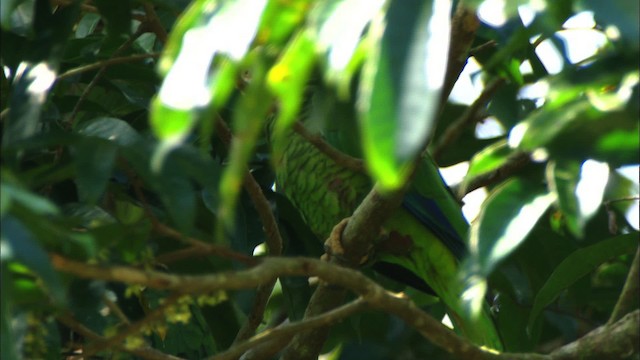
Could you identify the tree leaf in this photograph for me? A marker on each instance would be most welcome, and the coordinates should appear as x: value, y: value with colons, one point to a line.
x: 579, y: 264
x: 563, y: 177
x: 94, y: 160
x: 507, y: 216
x: 22, y: 246
x: 401, y: 84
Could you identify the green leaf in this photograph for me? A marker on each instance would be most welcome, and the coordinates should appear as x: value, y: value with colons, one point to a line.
x: 508, y: 215
x: 589, y: 113
x: 489, y: 159
x: 288, y: 79
x: 37, y: 204
x: 280, y: 19
x: 112, y: 129
x: 23, y: 247
x: 249, y: 118
x: 622, y: 14
x: 338, y: 26
x: 94, y: 160
x: 563, y: 177
x: 579, y: 264
x: 400, y: 89
x: 116, y: 18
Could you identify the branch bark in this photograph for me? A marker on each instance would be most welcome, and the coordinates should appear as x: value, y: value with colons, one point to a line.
x: 613, y: 341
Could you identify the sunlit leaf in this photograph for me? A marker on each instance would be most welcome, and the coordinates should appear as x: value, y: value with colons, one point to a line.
x: 400, y: 86
x: 579, y: 264
x: 200, y: 35
x: 488, y: 159
x: 288, y: 80
x: 280, y: 19
x: 507, y: 217
x: 563, y: 178
x: 339, y: 27
x: 249, y: 118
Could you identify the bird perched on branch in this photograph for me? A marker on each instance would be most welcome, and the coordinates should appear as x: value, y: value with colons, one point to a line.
x: 423, y: 238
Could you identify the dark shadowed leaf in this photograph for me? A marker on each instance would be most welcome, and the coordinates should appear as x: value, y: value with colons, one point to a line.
x: 23, y: 247
x: 579, y: 264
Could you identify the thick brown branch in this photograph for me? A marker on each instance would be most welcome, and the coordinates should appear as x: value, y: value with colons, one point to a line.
x: 464, y: 25
x: 614, y: 341
x: 606, y: 342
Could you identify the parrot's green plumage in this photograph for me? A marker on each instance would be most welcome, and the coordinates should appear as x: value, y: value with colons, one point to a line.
x: 422, y: 236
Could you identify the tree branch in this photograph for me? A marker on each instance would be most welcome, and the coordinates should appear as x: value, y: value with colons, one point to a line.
x: 628, y: 299
x: 133, y: 329
x: 105, y: 63
x: 467, y: 119
x: 143, y: 352
x: 605, y: 342
x: 274, y: 240
x: 513, y: 164
x: 288, y: 330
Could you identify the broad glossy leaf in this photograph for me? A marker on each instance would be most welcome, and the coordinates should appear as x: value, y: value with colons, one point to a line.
x: 490, y: 158
x: 401, y: 85
x: 288, y: 79
x: 94, y: 160
x: 248, y: 122
x: 339, y: 26
x: 579, y: 264
x: 280, y: 20
x: 23, y: 247
x: 508, y: 215
x: 622, y: 14
x: 15, y: 193
x: 199, y: 36
x: 112, y: 129
x: 563, y: 177
x: 589, y: 113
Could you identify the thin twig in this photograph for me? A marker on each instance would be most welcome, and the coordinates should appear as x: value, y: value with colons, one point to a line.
x: 74, y: 113
x: 512, y: 165
x: 105, y: 63
x: 467, y: 119
x: 143, y: 352
x: 115, y: 309
x: 336, y: 155
x: 628, y: 299
x: 154, y: 22
x: 154, y: 316
x: 288, y: 330
x: 273, y: 240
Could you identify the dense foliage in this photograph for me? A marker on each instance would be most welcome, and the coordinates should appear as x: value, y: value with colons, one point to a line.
x: 140, y: 140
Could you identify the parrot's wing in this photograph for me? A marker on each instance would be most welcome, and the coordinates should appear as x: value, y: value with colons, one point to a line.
x: 428, y: 213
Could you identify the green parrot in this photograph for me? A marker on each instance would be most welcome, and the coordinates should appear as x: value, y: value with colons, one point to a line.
x: 424, y: 236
